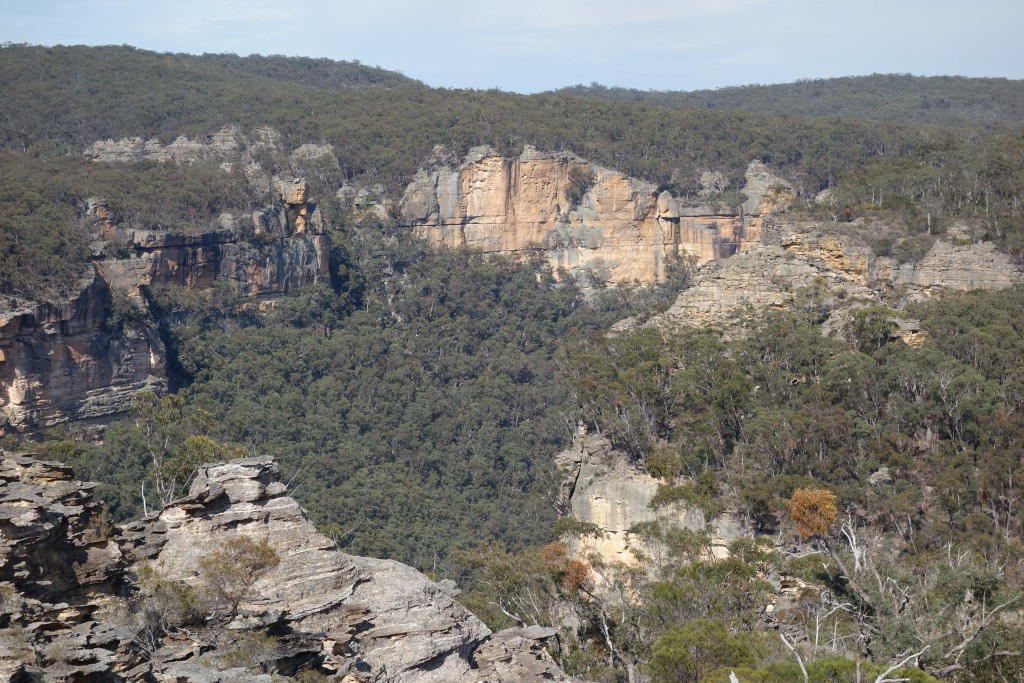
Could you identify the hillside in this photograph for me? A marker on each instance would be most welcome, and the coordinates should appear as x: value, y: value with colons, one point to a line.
x: 940, y: 100
x: 383, y: 128
x: 414, y: 298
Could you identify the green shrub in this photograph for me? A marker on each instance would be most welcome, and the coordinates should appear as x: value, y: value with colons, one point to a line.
x: 686, y: 653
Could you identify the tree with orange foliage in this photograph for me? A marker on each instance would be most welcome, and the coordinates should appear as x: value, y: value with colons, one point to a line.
x: 814, y: 511
x: 576, y: 577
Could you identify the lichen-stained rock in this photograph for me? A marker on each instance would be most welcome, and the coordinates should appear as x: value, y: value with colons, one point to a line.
x: 361, y: 618
x: 407, y: 628
x: 518, y: 654
x: 60, y: 361
x: 52, y: 544
x: 583, y: 218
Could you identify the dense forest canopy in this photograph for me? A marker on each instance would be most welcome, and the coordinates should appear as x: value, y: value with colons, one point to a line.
x: 942, y: 100
x: 418, y: 411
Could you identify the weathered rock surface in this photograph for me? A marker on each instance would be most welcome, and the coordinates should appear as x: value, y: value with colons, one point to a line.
x: 353, y: 618
x: 581, y: 217
x: 793, y: 268
x: 56, y: 558
x: 601, y: 487
x: 409, y: 629
x: 60, y: 361
x: 966, y: 267
x: 52, y: 544
x: 766, y: 277
x: 224, y: 144
x: 256, y: 267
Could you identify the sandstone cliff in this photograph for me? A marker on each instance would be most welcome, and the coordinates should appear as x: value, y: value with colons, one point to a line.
x: 583, y: 218
x: 256, y: 267
x: 601, y: 487
x: 60, y: 361
x: 65, y: 362
x: 67, y: 608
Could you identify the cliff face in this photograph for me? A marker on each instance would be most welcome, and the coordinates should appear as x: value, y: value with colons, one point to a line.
x: 68, y: 590
x: 277, y: 248
x: 582, y: 217
x: 601, y: 487
x: 60, y: 362
x: 63, y: 361
x: 257, y: 268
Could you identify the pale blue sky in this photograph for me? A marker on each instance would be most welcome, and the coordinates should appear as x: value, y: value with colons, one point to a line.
x: 533, y: 45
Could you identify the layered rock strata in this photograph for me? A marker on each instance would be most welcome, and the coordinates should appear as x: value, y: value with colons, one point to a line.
x: 61, y: 361
x: 58, y: 567
x: 67, y: 361
x: 583, y: 218
x: 803, y: 268
x: 224, y: 144
x: 66, y: 584
x: 258, y: 268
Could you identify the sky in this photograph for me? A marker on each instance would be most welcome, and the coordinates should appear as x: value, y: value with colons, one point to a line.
x: 535, y: 45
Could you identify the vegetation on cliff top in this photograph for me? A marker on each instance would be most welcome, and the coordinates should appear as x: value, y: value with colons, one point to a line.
x: 384, y: 127
x: 900, y: 463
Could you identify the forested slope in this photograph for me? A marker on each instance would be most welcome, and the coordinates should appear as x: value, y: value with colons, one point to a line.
x: 941, y: 100
x: 416, y: 402
x: 383, y: 128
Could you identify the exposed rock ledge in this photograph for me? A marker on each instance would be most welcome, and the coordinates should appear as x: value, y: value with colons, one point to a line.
x: 776, y: 275
x: 362, y: 619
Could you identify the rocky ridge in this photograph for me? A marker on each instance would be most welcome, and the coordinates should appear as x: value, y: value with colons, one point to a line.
x: 798, y: 266
x: 68, y: 585
x: 227, y: 144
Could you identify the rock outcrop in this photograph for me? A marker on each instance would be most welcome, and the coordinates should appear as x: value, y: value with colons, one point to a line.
x: 583, y: 218
x: 601, y: 487
x: 224, y: 144
x: 802, y: 266
x: 68, y: 611
x: 70, y: 361
x: 962, y: 268
x: 61, y: 361
x: 58, y: 567
x: 258, y: 268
